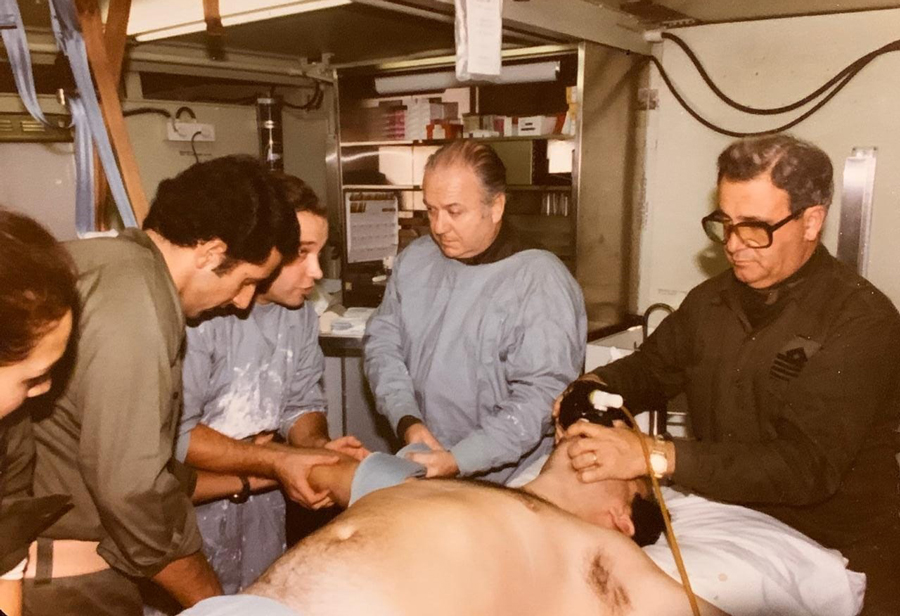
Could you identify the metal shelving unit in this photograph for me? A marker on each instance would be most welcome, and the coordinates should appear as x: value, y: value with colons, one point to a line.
x: 594, y: 228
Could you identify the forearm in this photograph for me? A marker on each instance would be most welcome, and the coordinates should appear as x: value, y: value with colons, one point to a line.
x: 213, y: 451
x: 391, y: 385
x: 213, y: 486
x: 310, y: 430
x: 509, y: 434
x: 632, y: 378
x: 483, y: 450
x: 336, y: 479
x: 189, y: 580
x: 777, y: 472
x: 384, y: 362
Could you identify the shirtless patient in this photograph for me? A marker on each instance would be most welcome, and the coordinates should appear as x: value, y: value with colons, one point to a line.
x: 451, y: 547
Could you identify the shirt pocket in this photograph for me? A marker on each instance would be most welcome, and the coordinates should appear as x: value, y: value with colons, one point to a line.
x: 788, y: 363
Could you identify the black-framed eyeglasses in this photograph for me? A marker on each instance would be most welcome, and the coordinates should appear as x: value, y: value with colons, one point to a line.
x: 753, y: 233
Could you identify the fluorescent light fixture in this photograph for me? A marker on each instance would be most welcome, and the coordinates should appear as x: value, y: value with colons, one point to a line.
x: 151, y: 20
x: 441, y: 80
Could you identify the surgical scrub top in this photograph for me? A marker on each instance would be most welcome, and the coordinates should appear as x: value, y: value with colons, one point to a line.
x: 477, y: 352
x: 254, y: 373
x: 243, y: 376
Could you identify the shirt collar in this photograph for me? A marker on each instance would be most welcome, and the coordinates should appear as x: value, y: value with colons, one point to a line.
x: 507, y: 243
x: 140, y: 238
x: 794, y: 285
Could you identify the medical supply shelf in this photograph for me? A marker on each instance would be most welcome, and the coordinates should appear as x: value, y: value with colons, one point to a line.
x: 588, y: 215
x: 415, y: 187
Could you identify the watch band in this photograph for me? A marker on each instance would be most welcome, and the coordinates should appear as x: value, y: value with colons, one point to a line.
x: 244, y: 494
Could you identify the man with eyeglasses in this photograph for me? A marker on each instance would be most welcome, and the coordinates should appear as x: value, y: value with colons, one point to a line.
x: 790, y: 363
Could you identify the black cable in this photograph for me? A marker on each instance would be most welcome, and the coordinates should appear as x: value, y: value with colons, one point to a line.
x: 145, y: 110
x: 185, y: 109
x: 194, y: 147
x: 731, y: 133
x: 852, y: 68
x: 245, y: 100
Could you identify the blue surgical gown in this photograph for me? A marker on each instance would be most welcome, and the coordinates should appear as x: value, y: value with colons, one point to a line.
x: 478, y: 352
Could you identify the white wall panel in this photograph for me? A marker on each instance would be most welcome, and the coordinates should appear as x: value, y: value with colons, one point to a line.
x: 768, y: 63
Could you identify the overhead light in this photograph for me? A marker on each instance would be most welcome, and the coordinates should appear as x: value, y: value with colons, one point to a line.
x: 151, y: 20
x: 441, y: 80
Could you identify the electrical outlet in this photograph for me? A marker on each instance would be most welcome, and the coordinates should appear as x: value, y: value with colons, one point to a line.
x: 185, y: 131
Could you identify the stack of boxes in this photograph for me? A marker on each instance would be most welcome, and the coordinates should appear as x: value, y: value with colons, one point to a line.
x: 392, y: 122
x: 489, y: 125
x: 412, y: 118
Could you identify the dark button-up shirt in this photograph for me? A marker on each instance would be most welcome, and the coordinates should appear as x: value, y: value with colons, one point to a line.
x: 109, y: 440
x: 795, y: 417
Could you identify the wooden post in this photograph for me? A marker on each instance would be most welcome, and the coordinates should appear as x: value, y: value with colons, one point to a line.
x: 107, y: 86
x: 215, y: 32
x: 115, y: 38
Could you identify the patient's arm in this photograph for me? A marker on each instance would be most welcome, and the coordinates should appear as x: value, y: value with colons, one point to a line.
x: 335, y: 478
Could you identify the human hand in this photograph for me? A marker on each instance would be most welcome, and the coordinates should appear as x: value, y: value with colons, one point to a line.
x: 598, y: 453
x: 292, y: 471
x: 437, y: 463
x: 419, y: 433
x: 560, y: 431
x: 349, y: 445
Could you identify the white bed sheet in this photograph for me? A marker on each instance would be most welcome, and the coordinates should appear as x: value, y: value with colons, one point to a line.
x: 748, y: 563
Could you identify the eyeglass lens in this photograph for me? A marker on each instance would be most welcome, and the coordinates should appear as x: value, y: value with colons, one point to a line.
x: 751, y: 235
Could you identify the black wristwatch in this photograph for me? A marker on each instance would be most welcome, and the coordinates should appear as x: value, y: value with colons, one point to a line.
x: 244, y: 494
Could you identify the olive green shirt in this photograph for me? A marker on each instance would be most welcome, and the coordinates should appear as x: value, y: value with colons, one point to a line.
x: 110, y: 438
x: 16, y: 460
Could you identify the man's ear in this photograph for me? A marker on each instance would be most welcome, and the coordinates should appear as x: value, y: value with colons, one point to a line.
x: 498, y: 205
x: 210, y: 254
x: 621, y: 517
x: 813, y: 221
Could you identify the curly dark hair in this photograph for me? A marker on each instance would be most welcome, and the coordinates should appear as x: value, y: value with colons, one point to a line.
x: 479, y: 157
x: 800, y: 168
x: 234, y: 199
x: 37, y: 285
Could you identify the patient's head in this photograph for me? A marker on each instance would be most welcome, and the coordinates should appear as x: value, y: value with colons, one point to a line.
x: 627, y: 506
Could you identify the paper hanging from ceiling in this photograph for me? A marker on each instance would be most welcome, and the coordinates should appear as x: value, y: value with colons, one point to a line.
x: 479, y: 36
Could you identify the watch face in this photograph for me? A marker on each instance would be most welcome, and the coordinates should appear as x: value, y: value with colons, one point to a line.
x: 659, y: 463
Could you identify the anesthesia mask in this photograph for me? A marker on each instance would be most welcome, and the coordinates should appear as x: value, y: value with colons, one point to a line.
x: 589, y: 401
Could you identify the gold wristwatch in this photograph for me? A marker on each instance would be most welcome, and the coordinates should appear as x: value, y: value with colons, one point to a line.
x: 659, y: 461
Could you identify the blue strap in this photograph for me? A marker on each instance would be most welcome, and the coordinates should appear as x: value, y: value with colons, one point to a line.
x: 87, y: 118
x: 13, y: 33
x: 84, y: 168
x: 69, y: 40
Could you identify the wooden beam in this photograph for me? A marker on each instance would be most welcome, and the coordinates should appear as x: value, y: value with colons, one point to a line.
x: 107, y: 86
x: 215, y: 32
x: 115, y: 37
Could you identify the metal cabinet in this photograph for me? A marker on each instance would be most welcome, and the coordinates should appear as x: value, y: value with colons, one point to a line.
x: 574, y: 193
